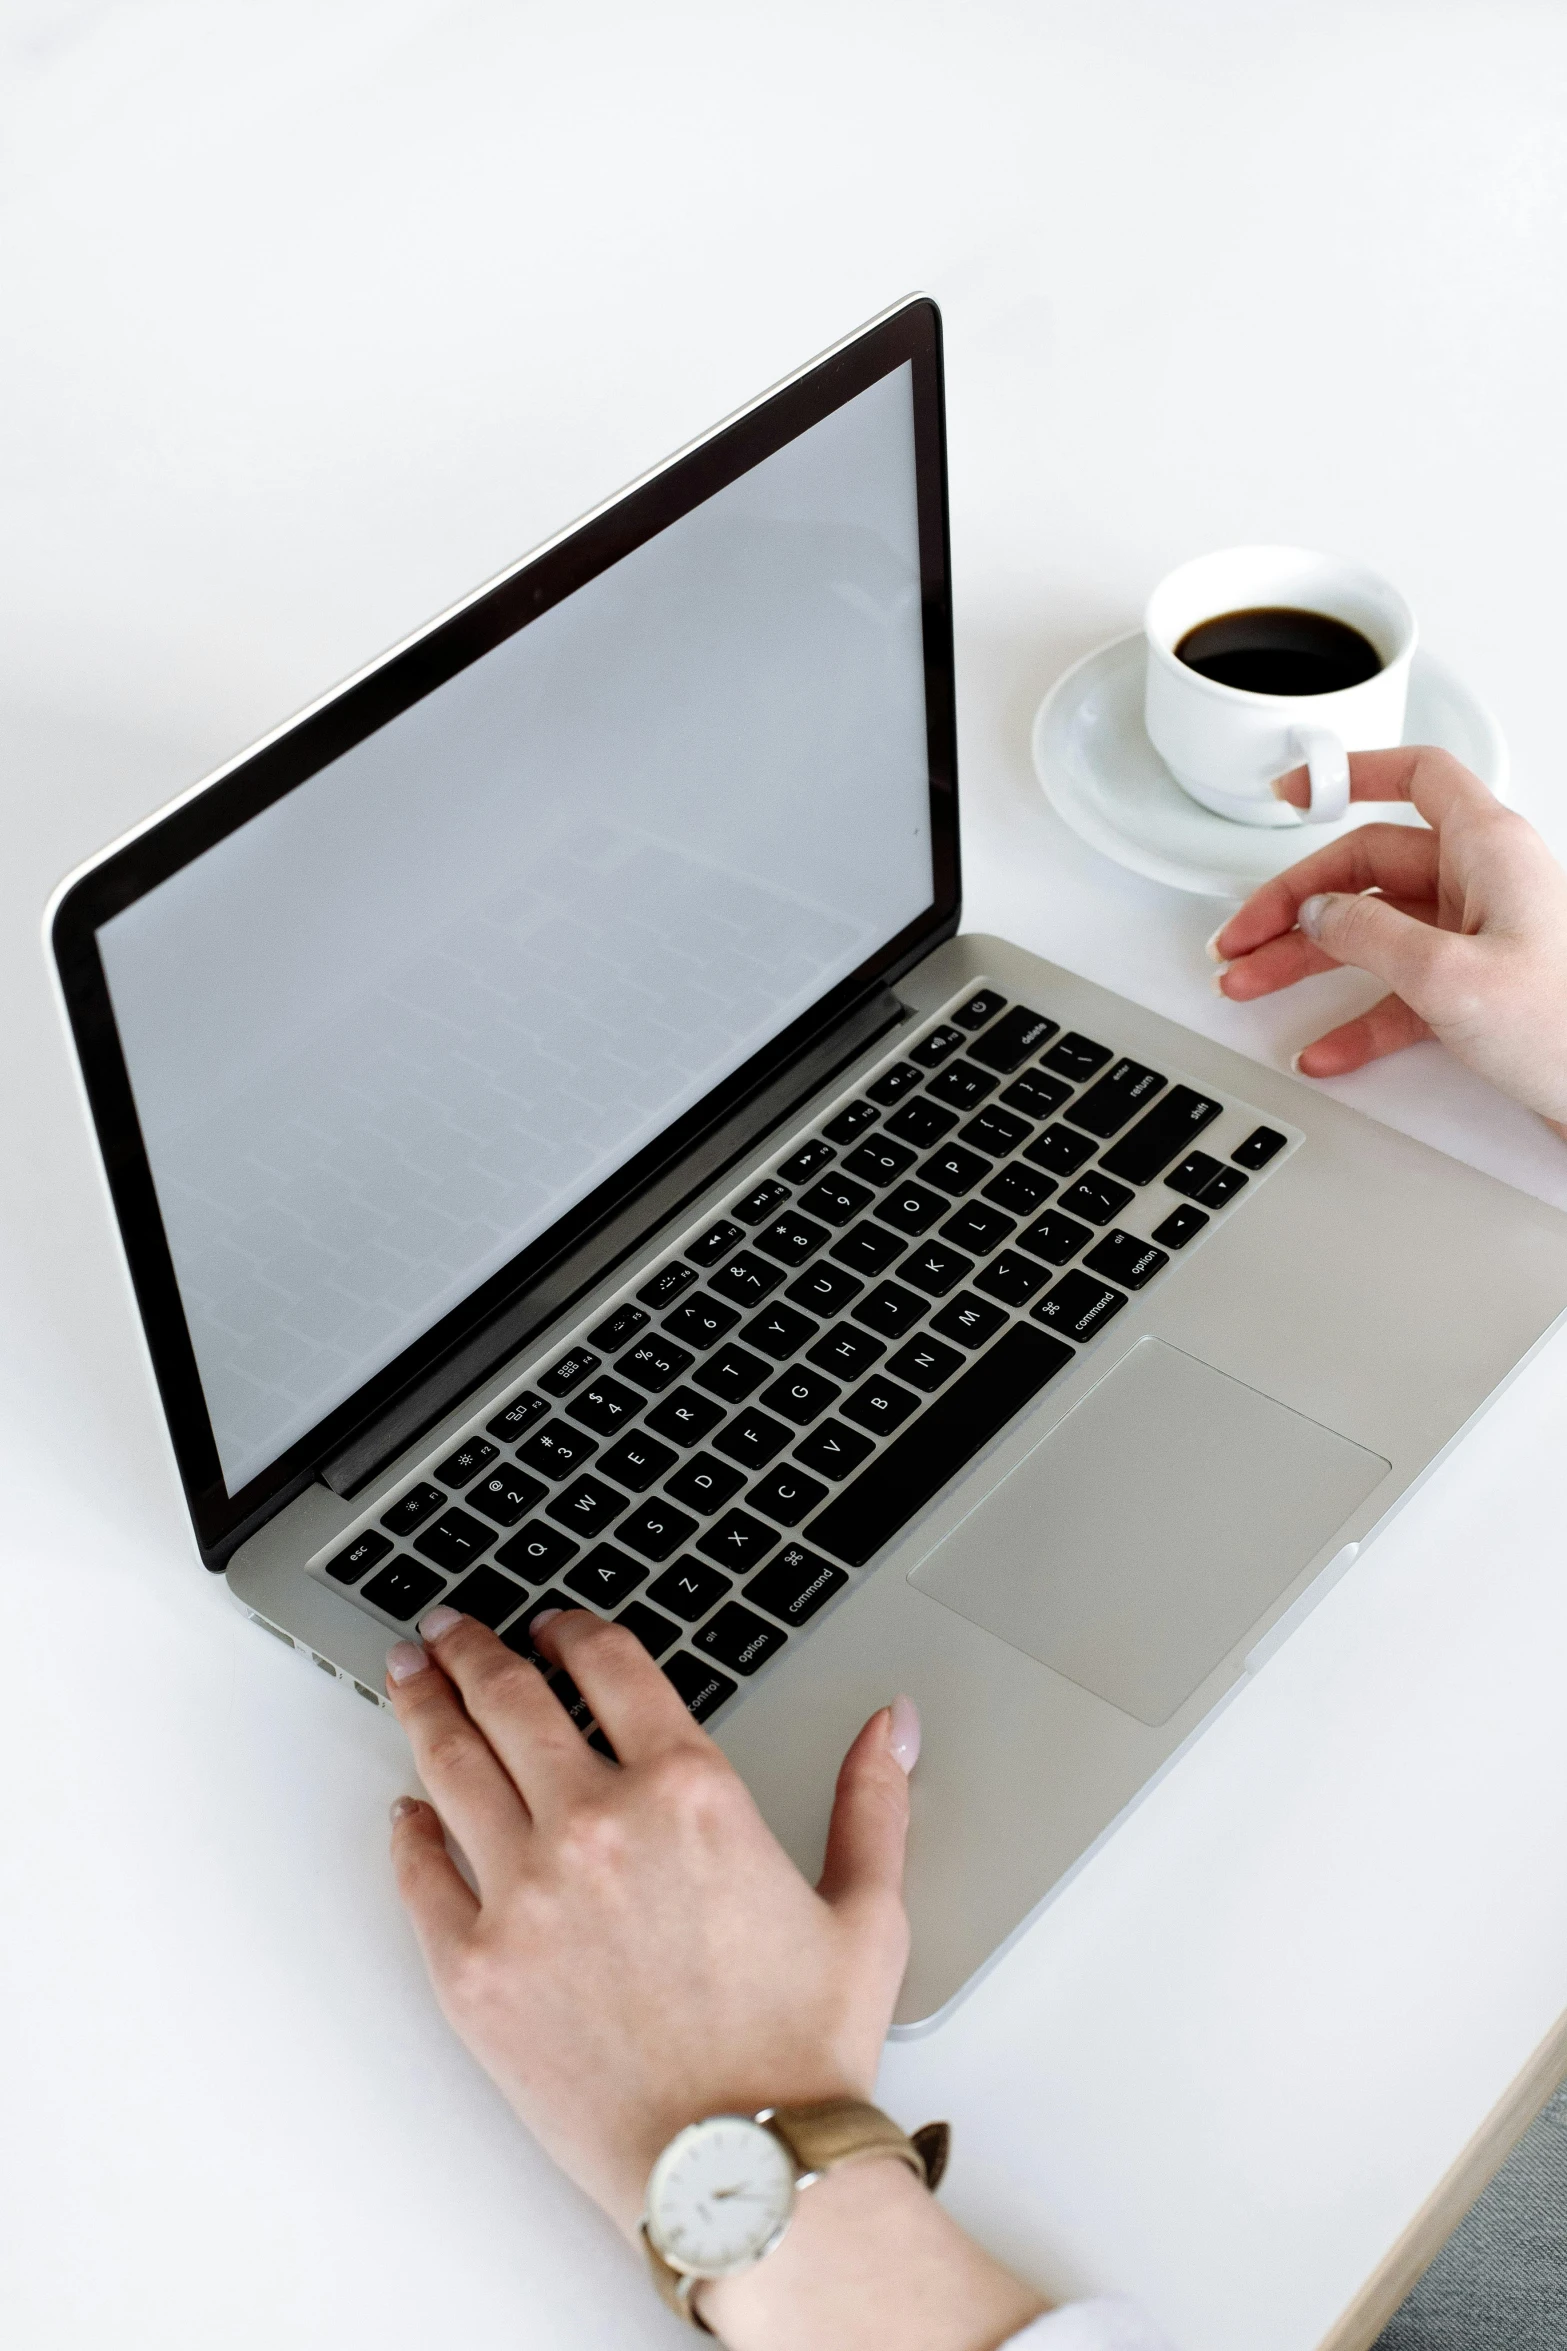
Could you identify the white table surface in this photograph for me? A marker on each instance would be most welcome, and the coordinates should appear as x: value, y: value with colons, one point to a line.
x: 315, y: 312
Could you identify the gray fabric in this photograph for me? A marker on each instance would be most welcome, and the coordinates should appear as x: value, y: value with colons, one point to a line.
x: 1500, y: 2282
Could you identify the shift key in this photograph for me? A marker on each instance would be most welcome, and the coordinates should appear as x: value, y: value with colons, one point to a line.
x: 1159, y: 1135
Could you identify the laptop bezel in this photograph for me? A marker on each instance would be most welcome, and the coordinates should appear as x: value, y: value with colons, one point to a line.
x: 911, y: 333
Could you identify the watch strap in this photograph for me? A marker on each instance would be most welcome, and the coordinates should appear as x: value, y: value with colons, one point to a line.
x: 673, y: 2286
x: 835, y: 2131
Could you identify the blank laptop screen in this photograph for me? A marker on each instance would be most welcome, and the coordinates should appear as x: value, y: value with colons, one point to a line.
x: 391, y: 1029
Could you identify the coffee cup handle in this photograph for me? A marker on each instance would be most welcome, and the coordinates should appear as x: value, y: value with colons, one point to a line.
x: 1328, y: 761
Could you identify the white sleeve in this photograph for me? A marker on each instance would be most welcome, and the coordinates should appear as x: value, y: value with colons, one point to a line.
x: 1108, y: 2323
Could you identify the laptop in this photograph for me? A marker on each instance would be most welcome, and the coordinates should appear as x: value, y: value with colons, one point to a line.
x: 567, y: 1152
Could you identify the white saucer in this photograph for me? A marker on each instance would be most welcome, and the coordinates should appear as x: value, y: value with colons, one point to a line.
x: 1101, y: 773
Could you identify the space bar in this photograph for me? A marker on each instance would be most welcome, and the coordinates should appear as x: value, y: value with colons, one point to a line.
x: 918, y: 1464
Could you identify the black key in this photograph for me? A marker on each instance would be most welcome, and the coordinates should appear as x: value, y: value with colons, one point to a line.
x: 962, y: 1086
x: 768, y: 1197
x: 1055, y: 1237
x: 453, y: 1539
x: 979, y: 1009
x: 518, y: 1637
x: 752, y: 1438
x: 1166, y: 1129
x: 915, y: 1466
x: 586, y: 1506
x: 788, y: 1495
x: 685, y: 1418
x: 655, y: 1530
x: 921, y: 1123
x: 851, y: 1122
x: 690, y: 1588
x: 518, y: 1417
x: 910, y: 1208
x: 700, y: 1321
x: 809, y: 1160
x: 571, y: 1698
x: 716, y: 1242
x: 737, y: 1540
x: 1195, y: 1174
x: 746, y: 1280
x: 1058, y: 1151
x: 978, y: 1228
x: 890, y: 1310
x: 779, y: 1331
x: 487, y: 1597
x: 732, y: 1373
x: 795, y: 1585
x: 996, y: 1131
x: 622, y: 1325
x: 836, y: 1198
x: 879, y: 1162
x: 894, y: 1083
x: 791, y: 1239
x: 363, y: 1552
x: 1011, y: 1278
x: 935, y: 1268
x: 701, y: 1686
x: 957, y: 1171
x: 605, y: 1576
x: 474, y: 1454
x: 1261, y: 1145
x: 1075, y: 1057
x: 1036, y: 1095
x: 536, y: 1551
x: 599, y: 1740
x: 868, y: 1248
x: 846, y: 1352
x: 655, y: 1632
x: 410, y: 1509
x: 1078, y: 1305
x: 562, y: 1377
x: 1223, y: 1186
x: 800, y: 1394
x: 667, y: 1284
x: 969, y: 1320
x: 1018, y: 1190
x: 705, y: 1484
x: 606, y: 1405
x: 938, y: 1047
x: 1121, y: 1258
x: 824, y: 1290
x: 739, y: 1639
x: 1010, y: 1042
x: 1181, y: 1226
x: 1121, y: 1092
x: 833, y: 1449
x: 880, y: 1405
x: 507, y: 1495
x: 656, y: 1363
x: 404, y: 1589
x: 638, y: 1461
x: 556, y: 1450
x: 925, y: 1364
x: 1096, y: 1197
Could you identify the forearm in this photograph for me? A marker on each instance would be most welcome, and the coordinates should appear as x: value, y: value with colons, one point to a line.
x: 870, y: 2259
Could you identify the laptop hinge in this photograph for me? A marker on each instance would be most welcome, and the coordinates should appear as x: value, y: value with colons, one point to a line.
x: 419, y: 1406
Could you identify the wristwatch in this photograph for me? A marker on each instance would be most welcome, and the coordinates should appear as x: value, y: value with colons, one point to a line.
x: 721, y: 2195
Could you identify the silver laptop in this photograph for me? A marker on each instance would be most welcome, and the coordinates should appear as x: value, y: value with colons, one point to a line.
x: 566, y: 1152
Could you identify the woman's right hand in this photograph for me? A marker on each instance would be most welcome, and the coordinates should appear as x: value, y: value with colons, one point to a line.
x: 1466, y: 924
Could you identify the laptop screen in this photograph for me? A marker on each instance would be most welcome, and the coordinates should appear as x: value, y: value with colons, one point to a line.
x: 389, y: 1030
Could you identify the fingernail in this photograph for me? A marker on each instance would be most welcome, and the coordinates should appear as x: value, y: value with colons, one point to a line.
x: 1216, y: 983
x: 544, y: 1617
x: 1295, y: 1062
x: 439, y: 1621
x: 903, y: 1731
x: 1279, y: 782
x: 1310, y: 916
x: 403, y: 1805
x: 404, y: 1659
x: 1211, y: 946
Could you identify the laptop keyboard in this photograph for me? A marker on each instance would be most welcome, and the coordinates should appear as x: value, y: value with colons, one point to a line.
x: 714, y: 1458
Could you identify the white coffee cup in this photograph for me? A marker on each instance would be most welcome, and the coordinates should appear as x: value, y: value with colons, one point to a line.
x: 1225, y: 745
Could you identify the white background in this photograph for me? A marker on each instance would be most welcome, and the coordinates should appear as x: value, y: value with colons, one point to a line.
x: 313, y: 315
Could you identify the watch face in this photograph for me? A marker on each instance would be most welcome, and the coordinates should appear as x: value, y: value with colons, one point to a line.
x: 719, y: 2195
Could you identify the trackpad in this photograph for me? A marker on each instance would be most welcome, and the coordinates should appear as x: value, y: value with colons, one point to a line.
x: 1143, y: 1537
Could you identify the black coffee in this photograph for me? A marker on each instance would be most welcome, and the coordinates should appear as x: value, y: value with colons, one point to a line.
x: 1279, y: 649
